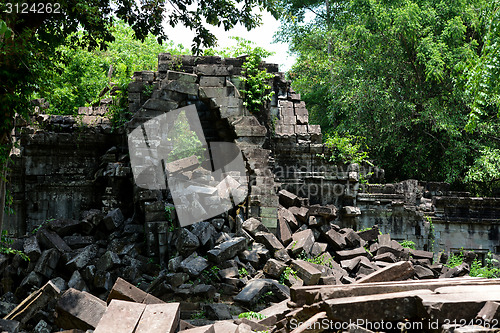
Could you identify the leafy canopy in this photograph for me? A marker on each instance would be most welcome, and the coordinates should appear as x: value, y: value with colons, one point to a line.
x: 403, y: 75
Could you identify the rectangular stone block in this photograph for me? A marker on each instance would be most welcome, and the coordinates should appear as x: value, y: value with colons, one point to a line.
x: 386, y: 307
x: 120, y: 316
x: 212, y: 81
x: 308, y: 273
x: 122, y: 290
x: 180, y: 76
x: 79, y: 309
x: 34, y: 303
x: 395, y: 272
x: 159, y: 318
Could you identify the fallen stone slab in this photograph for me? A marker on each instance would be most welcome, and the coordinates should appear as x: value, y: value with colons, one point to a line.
x: 335, y: 239
x: 489, y: 312
x: 269, y: 240
x: 395, y: 272
x: 310, y: 294
x: 34, y: 303
x: 369, y: 234
x: 274, y: 268
x: 287, y: 199
x: 120, y: 316
x: 255, y: 288
x: 79, y: 309
x: 458, y: 303
x: 328, y: 211
x: 302, y: 241
x: 474, y: 329
x: 9, y: 326
x: 51, y: 240
x: 283, y: 232
x: 227, y: 250
x: 386, y: 307
x: 300, y: 214
x: 252, y: 226
x: 159, y: 318
x: 122, y: 290
x: 217, y: 311
x: 313, y: 324
x: 201, y: 329
x: 307, y: 272
x: 419, y: 254
x: 422, y: 272
x: 225, y: 327
x: 350, y: 254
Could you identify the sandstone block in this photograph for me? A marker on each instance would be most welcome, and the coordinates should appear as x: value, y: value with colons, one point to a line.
x: 79, y: 309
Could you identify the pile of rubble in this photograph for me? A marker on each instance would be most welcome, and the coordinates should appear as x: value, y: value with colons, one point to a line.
x: 215, y: 270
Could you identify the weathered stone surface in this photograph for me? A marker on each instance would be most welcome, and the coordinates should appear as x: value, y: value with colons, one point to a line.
x: 201, y: 329
x: 349, y: 254
x: 79, y: 309
x: 308, y: 273
x: 9, y: 326
x: 34, y: 303
x: 187, y: 241
x: 32, y: 249
x: 194, y: 264
x: 489, y: 311
x: 161, y: 318
x: 47, y: 262
x: 387, y: 307
x: 329, y: 212
x: 252, y: 226
x: 108, y: 261
x: 122, y: 290
x: 300, y: 214
x: 227, y: 250
x: 120, y: 316
x: 76, y: 281
x: 287, y: 199
x: 369, y: 234
x: 394, y: 272
x: 205, y: 232
x: 269, y: 240
x: 50, y: 240
x: 302, y: 241
x: 335, y: 239
x: 218, y: 311
x: 83, y: 258
x: 423, y: 272
x: 274, y: 268
x: 113, y: 219
x: 350, y: 211
x: 255, y: 288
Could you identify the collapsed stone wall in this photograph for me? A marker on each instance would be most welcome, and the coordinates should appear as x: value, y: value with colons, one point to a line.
x: 67, y: 164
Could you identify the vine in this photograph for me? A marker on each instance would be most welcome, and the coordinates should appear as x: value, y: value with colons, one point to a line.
x: 257, y: 87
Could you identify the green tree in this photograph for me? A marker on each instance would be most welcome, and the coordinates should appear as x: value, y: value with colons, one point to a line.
x: 29, y: 36
x: 396, y: 74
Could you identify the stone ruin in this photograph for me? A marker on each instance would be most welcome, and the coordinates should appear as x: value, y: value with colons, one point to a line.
x: 310, y: 242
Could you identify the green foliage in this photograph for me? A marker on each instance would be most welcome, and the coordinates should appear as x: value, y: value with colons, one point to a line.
x: 347, y: 149
x: 477, y: 269
x: 251, y: 315
x: 41, y: 225
x: 199, y: 315
x: 184, y: 140
x: 257, y: 87
x: 79, y: 76
x: 397, y: 75
x: 432, y: 234
x: 285, y: 276
x: 169, y: 216
x: 5, y: 246
x: 242, y: 272
x: 484, y: 174
x: 243, y: 47
x: 408, y: 244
